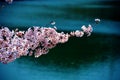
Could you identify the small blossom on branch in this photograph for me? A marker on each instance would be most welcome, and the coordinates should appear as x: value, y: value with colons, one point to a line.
x: 97, y: 20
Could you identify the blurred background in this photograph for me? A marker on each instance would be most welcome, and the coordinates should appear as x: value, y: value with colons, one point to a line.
x: 88, y: 58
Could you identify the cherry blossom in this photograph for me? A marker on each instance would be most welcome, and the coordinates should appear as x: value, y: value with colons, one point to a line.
x: 35, y: 41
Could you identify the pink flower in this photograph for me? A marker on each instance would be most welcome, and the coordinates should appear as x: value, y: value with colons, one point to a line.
x: 87, y: 30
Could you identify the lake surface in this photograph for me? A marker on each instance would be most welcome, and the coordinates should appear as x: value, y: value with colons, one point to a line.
x: 89, y: 58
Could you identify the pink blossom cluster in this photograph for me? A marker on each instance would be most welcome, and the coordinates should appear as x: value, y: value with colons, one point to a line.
x: 35, y: 41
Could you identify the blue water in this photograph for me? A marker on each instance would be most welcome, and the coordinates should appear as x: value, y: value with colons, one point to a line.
x: 94, y: 58
x: 27, y: 71
x: 68, y: 15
